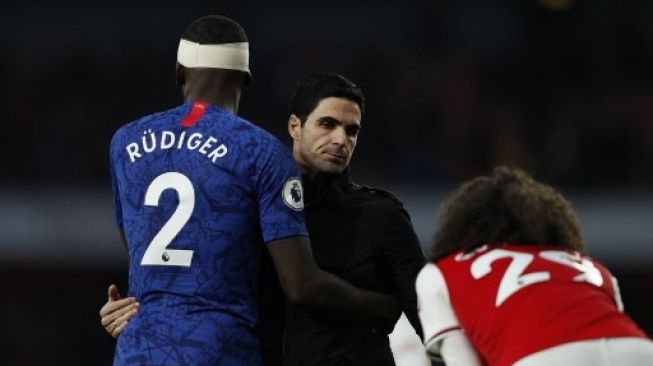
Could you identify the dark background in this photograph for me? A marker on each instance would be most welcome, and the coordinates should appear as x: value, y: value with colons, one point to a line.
x: 561, y: 88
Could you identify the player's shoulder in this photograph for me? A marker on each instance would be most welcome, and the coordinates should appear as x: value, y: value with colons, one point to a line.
x: 248, y: 129
x: 426, y: 272
x: 263, y: 149
x: 147, y: 121
x: 430, y: 279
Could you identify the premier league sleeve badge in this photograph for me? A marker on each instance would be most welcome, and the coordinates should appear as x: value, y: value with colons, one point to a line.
x: 293, y: 194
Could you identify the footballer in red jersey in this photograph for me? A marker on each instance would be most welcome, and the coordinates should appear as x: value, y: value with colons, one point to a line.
x: 509, y: 283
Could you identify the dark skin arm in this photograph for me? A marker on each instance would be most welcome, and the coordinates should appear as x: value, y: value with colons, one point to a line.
x: 303, y: 283
x: 306, y: 285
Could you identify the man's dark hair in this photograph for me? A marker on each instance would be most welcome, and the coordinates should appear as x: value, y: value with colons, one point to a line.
x: 507, y: 207
x: 214, y: 29
x: 319, y: 86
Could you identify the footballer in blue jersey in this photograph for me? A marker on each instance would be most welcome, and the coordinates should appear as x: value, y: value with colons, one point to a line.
x: 199, y: 194
x: 198, y: 190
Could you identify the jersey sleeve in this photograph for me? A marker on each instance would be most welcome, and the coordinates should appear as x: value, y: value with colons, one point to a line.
x: 280, y: 194
x: 115, y: 187
x: 434, y: 308
x: 457, y: 350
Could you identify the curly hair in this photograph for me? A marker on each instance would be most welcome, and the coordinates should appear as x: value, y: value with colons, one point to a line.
x: 508, y: 206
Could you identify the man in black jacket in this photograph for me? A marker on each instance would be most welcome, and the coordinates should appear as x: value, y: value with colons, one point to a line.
x: 360, y: 234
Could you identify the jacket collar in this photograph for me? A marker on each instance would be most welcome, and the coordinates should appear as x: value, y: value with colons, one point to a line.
x: 319, y: 187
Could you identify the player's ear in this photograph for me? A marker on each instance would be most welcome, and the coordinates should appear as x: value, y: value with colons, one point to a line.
x: 180, y: 75
x: 294, y: 127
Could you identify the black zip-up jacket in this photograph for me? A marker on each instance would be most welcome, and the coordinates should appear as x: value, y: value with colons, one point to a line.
x: 365, y: 237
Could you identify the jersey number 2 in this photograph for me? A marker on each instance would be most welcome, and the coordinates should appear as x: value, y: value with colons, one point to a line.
x: 514, y: 279
x: 157, y: 253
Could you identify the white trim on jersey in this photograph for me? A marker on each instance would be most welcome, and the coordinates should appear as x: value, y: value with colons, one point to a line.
x: 457, y: 350
x: 231, y: 56
x: 434, y: 308
x: 617, y: 294
x: 443, y: 335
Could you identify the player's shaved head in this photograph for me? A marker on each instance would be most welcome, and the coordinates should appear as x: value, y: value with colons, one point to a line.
x: 508, y: 206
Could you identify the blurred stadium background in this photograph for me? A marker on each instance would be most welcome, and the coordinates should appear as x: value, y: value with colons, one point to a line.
x: 561, y: 88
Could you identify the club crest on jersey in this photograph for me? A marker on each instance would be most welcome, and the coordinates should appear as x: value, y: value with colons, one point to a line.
x: 293, y: 194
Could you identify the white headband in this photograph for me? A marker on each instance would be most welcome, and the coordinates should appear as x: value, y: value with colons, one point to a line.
x: 231, y: 56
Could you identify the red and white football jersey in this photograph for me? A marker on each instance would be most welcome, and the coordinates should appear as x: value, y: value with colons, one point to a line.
x: 512, y: 300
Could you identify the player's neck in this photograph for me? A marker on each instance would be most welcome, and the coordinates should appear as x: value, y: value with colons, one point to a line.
x: 228, y: 102
x: 214, y: 86
x: 222, y: 94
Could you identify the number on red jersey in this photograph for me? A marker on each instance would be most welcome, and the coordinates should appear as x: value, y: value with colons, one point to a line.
x: 514, y: 279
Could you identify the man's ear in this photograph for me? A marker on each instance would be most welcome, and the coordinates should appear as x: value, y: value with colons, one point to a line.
x: 294, y: 127
x: 180, y: 74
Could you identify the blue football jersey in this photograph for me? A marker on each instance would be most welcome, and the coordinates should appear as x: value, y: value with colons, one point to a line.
x: 197, y: 192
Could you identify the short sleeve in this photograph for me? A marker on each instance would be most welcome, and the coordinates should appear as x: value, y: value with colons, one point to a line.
x: 280, y: 194
x: 434, y: 308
